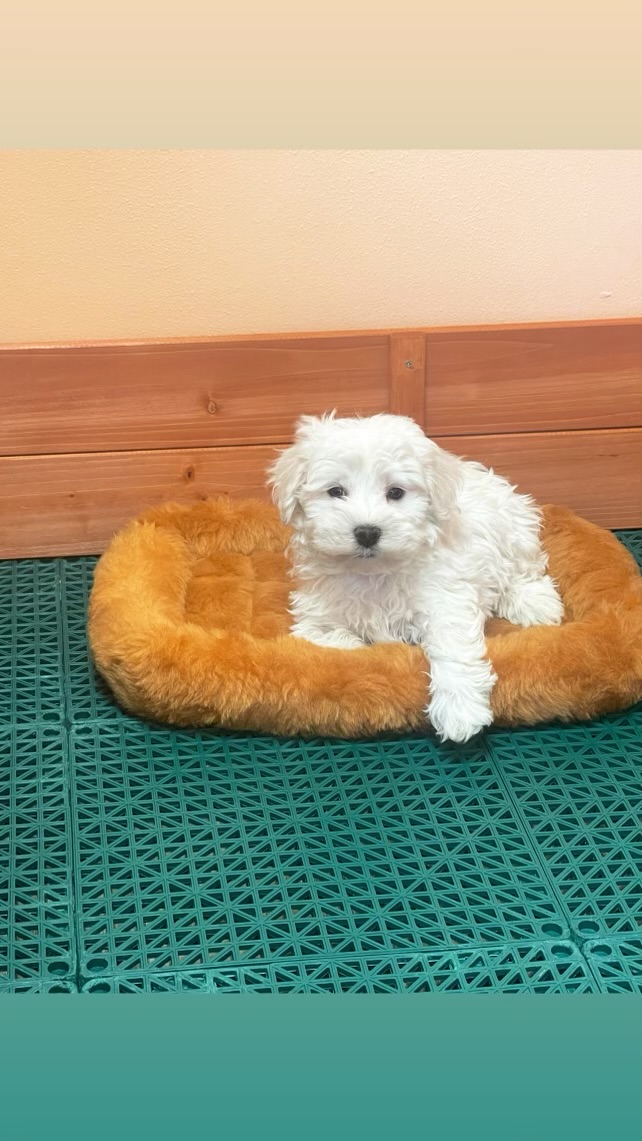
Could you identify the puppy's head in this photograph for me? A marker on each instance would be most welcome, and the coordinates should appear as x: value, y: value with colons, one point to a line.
x: 369, y: 493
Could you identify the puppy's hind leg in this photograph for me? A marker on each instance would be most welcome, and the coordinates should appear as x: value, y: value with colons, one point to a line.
x: 532, y: 602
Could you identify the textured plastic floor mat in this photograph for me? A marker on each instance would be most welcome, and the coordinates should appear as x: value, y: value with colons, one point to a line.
x: 40, y: 986
x: 36, y: 938
x: 87, y: 696
x: 196, y: 851
x: 519, y: 968
x: 617, y: 964
x: 135, y: 859
x: 31, y: 682
x: 579, y: 792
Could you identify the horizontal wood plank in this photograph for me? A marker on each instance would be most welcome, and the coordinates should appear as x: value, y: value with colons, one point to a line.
x: 73, y: 504
x: 123, y: 398
x: 534, y: 380
x: 202, y: 393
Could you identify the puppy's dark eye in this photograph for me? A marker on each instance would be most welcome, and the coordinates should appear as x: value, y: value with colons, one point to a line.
x: 395, y: 493
x: 336, y: 492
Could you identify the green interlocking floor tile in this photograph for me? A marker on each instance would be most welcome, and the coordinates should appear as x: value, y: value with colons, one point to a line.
x: 616, y: 963
x: 195, y: 850
x: 40, y: 986
x: 518, y: 968
x: 31, y: 687
x: 579, y: 793
x: 88, y: 698
x: 36, y: 908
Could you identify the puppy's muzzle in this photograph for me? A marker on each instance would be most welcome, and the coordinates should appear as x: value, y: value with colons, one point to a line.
x: 367, y: 537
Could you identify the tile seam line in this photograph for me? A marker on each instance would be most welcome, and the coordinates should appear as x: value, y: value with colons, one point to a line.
x: 340, y: 960
x: 67, y: 726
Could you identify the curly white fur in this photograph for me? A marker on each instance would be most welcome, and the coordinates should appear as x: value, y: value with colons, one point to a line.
x: 456, y: 544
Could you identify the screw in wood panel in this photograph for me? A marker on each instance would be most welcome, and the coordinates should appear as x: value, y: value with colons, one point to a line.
x: 408, y: 364
x: 212, y: 407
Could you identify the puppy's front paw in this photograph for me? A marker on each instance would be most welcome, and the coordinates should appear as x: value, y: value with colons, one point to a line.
x: 451, y: 722
x: 460, y: 704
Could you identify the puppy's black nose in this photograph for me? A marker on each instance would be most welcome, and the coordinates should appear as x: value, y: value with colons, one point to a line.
x: 367, y: 536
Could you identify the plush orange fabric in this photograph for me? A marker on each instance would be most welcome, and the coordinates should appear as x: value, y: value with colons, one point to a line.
x: 188, y: 623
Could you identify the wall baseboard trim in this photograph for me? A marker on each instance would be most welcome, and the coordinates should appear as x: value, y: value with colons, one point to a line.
x: 93, y: 433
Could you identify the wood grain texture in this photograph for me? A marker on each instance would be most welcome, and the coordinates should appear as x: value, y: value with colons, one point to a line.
x: 534, y: 380
x: 92, y: 434
x: 92, y: 399
x: 408, y: 376
x: 73, y: 504
x: 204, y: 393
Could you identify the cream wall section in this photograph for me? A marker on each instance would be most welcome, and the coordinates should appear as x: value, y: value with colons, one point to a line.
x: 128, y: 244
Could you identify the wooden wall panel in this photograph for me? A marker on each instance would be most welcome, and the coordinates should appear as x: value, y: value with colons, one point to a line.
x: 120, y: 398
x: 533, y: 380
x: 92, y: 434
x: 408, y: 376
x: 73, y: 504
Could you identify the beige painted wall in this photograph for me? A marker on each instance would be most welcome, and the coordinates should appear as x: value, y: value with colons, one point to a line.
x: 102, y: 244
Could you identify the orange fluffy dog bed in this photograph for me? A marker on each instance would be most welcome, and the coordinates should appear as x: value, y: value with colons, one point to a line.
x: 188, y: 624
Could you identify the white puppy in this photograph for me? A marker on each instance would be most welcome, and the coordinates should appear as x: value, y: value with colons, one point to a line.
x: 397, y: 540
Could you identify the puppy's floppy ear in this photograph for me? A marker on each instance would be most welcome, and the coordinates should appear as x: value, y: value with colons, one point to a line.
x: 444, y: 473
x: 286, y: 476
